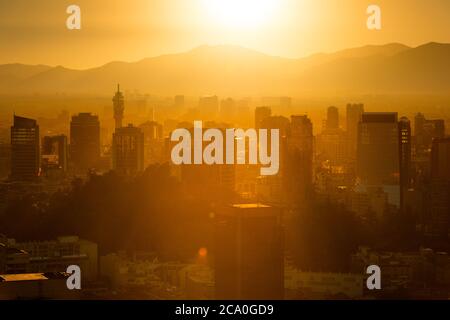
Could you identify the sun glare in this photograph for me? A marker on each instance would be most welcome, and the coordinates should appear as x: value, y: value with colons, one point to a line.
x: 240, y: 13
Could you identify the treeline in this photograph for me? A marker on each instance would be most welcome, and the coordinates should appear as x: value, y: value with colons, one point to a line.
x: 148, y: 212
x: 155, y: 212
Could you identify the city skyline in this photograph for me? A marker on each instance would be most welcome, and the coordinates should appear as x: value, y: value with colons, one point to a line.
x: 384, y: 188
x: 217, y: 164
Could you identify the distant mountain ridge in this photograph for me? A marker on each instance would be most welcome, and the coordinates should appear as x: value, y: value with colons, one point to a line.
x: 233, y: 70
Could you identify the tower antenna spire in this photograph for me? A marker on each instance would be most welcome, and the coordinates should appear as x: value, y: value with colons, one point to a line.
x: 118, y: 107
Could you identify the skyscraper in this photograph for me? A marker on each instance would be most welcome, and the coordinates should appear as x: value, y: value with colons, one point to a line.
x: 271, y: 189
x: 440, y: 159
x: 354, y: 114
x: 54, y: 152
x: 84, y: 141
x: 261, y: 113
x: 404, y: 131
x: 153, y: 142
x: 5, y: 159
x: 201, y: 179
x: 426, y: 130
x: 331, y: 144
x: 119, y: 107
x: 332, y: 122
x: 249, y: 259
x: 299, y: 160
x: 440, y: 189
x: 128, y: 150
x: 275, y: 122
x: 378, y: 153
x: 25, y: 155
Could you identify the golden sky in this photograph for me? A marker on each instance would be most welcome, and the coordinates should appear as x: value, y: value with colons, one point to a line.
x: 34, y: 31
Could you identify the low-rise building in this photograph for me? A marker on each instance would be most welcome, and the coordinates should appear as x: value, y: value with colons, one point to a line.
x: 33, y: 286
x: 54, y: 256
x: 318, y: 285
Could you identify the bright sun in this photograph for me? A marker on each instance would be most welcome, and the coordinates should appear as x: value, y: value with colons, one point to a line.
x: 241, y: 13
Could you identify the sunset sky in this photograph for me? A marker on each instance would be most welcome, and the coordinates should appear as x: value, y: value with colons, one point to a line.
x: 34, y: 31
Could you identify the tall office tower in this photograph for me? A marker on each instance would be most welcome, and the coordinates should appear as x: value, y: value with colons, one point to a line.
x: 261, y: 113
x: 153, y: 142
x: 84, y: 141
x: 119, y: 107
x: 25, y: 155
x: 209, y: 107
x: 249, y: 259
x: 54, y: 153
x: 440, y: 188
x: 378, y: 153
x: 426, y: 130
x: 332, y: 122
x: 128, y: 150
x: 354, y: 114
x: 404, y: 131
x: 299, y: 160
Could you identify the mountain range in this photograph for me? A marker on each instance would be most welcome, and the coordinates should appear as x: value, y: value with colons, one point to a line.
x: 233, y: 70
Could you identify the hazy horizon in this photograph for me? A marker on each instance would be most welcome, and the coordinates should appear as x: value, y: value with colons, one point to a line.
x: 225, y: 150
x: 33, y: 32
x: 224, y: 46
